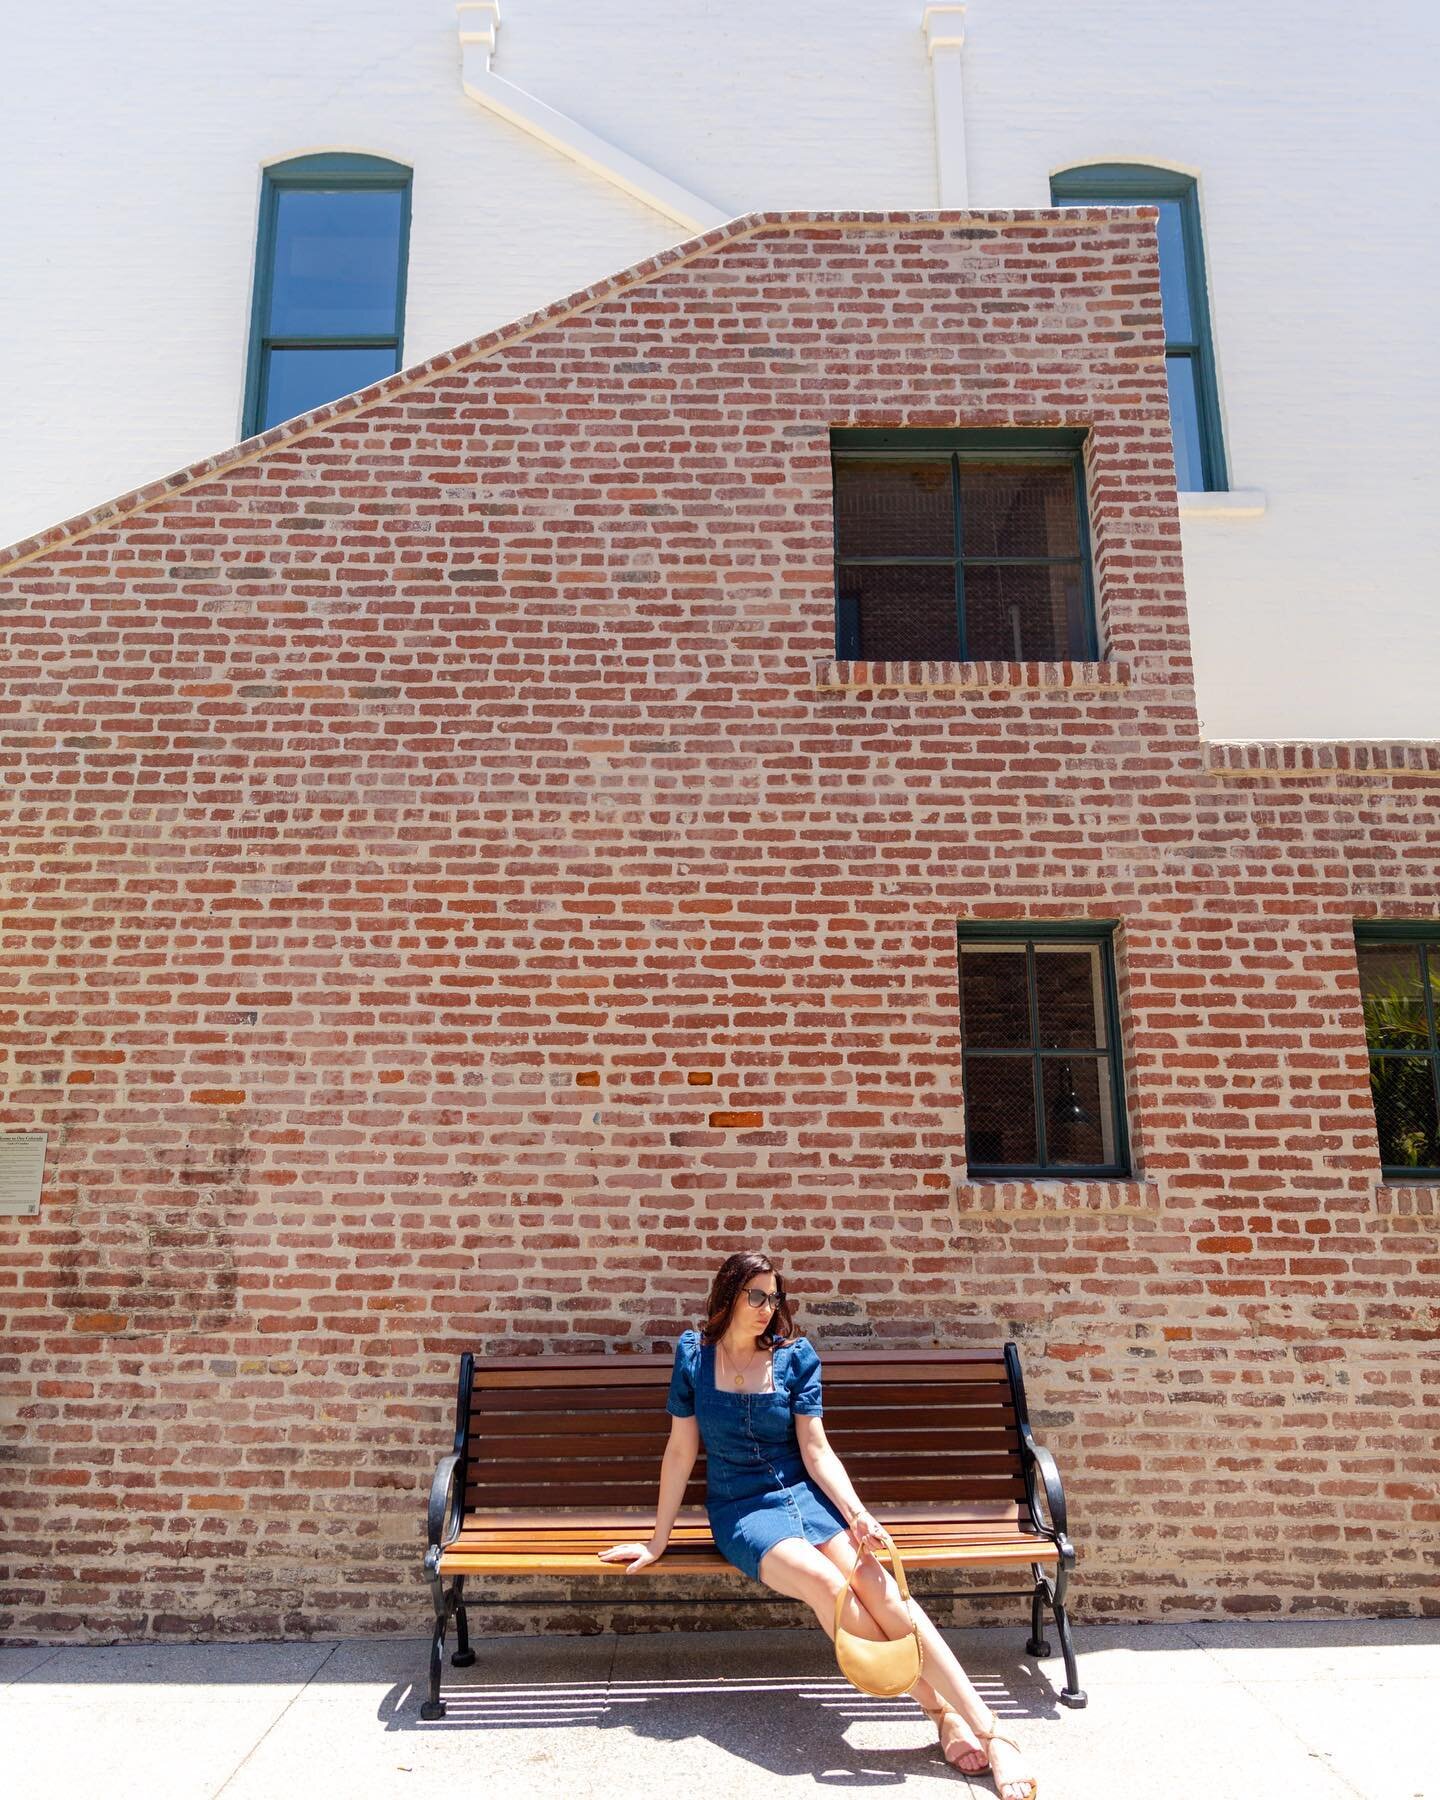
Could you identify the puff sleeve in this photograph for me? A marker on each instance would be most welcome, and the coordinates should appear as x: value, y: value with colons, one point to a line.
x: 680, y: 1403
x: 804, y: 1378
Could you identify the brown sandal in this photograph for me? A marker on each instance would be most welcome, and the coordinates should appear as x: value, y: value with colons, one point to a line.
x: 936, y: 1715
x: 987, y: 1738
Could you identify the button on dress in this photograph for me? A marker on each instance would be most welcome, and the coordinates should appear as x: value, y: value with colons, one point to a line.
x: 757, y: 1489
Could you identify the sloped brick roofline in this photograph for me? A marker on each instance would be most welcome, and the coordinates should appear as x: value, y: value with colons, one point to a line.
x: 250, y: 449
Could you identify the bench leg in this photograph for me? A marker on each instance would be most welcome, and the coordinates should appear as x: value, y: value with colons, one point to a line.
x: 1072, y: 1694
x: 434, y: 1707
x: 464, y: 1655
x: 1037, y: 1645
x: 1053, y: 1595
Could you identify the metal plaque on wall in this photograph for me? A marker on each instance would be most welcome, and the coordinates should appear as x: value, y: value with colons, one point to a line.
x: 22, y: 1169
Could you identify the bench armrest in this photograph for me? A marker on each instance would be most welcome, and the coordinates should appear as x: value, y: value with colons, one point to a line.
x: 1041, y: 1466
x: 442, y: 1521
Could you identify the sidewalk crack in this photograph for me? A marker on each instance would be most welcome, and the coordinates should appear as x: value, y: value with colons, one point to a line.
x: 323, y: 1663
x: 44, y: 1663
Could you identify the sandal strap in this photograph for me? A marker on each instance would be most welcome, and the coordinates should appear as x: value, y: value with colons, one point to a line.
x: 987, y: 1738
x: 937, y: 1714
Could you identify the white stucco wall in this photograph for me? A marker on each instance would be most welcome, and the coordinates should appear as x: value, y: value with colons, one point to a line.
x: 136, y: 138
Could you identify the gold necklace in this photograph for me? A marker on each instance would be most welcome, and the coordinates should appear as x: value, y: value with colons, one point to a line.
x: 740, y: 1378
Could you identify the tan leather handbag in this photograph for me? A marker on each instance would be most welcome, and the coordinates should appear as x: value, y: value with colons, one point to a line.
x: 887, y: 1666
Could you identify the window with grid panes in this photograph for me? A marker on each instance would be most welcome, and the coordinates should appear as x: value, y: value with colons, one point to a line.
x: 1041, y: 1064
x: 1400, y: 994
x: 958, y: 547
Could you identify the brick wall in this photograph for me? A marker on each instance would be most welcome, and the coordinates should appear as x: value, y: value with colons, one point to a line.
x: 453, y: 898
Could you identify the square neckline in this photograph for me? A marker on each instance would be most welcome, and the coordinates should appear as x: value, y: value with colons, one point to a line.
x: 769, y: 1393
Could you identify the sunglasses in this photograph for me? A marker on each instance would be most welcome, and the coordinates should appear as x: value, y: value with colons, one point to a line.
x: 757, y: 1297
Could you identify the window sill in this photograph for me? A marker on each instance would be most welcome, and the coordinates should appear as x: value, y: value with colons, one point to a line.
x: 833, y: 676
x: 1018, y: 1197
x: 1230, y: 503
x: 1419, y: 1199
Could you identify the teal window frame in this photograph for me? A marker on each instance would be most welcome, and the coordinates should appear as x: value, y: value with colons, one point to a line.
x: 1425, y: 934
x: 1099, y: 932
x: 1139, y: 184
x: 1061, y: 445
x: 332, y: 169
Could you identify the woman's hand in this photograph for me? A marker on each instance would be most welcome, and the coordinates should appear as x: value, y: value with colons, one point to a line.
x: 638, y: 1556
x: 865, y: 1526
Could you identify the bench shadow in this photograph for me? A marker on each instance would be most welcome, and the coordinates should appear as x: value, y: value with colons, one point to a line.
x: 783, y: 1724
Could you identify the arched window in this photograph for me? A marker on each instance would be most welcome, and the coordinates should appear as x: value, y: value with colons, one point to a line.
x: 329, y: 307
x: 1189, y: 354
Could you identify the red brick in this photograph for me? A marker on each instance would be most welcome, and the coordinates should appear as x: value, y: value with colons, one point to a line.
x: 345, y: 878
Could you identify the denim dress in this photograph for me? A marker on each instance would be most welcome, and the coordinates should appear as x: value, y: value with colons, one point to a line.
x: 757, y: 1491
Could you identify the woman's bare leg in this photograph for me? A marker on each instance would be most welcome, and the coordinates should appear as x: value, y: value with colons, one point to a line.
x: 958, y: 1742
x: 874, y: 1609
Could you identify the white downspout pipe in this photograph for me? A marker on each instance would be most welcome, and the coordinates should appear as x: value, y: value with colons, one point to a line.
x: 479, y: 26
x: 944, y: 28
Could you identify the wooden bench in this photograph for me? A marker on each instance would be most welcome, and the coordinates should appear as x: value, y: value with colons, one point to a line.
x: 557, y: 1457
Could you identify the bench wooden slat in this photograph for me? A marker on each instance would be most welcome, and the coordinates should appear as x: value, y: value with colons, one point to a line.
x: 869, y: 1418
x: 633, y: 1495
x: 552, y: 1542
x: 549, y: 1544
x: 574, y: 1448
x: 623, y: 1402
x: 980, y: 1521
x: 586, y: 1363
x: 960, y: 1470
x: 547, y: 1420
x: 925, y: 1514
x: 841, y: 1395
x: 919, y: 1487
x: 640, y: 1402
x: 946, y: 1556
x: 622, y: 1372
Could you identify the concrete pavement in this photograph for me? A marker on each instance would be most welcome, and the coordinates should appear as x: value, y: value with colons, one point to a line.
x: 1194, y: 1712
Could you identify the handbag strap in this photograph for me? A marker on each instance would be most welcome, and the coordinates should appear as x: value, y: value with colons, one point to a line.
x: 897, y: 1567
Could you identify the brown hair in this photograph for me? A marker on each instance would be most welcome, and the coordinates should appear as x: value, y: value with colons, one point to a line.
x: 731, y: 1279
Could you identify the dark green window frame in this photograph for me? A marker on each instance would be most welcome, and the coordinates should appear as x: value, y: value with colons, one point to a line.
x: 1424, y: 934
x: 1137, y: 184
x: 330, y: 170
x: 1064, y: 447
x: 1100, y: 933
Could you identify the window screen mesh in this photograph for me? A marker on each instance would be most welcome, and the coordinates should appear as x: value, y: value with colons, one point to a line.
x: 1398, y: 1020
x: 1010, y: 511
x: 907, y: 612
x: 1403, y: 1089
x: 1077, y: 1111
x: 888, y: 507
x: 1024, y: 613
x: 994, y: 1003
x: 1000, y: 1110
x: 1392, y: 995
x: 1069, y: 996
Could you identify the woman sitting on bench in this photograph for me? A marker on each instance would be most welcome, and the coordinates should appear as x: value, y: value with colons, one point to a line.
x: 781, y: 1507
